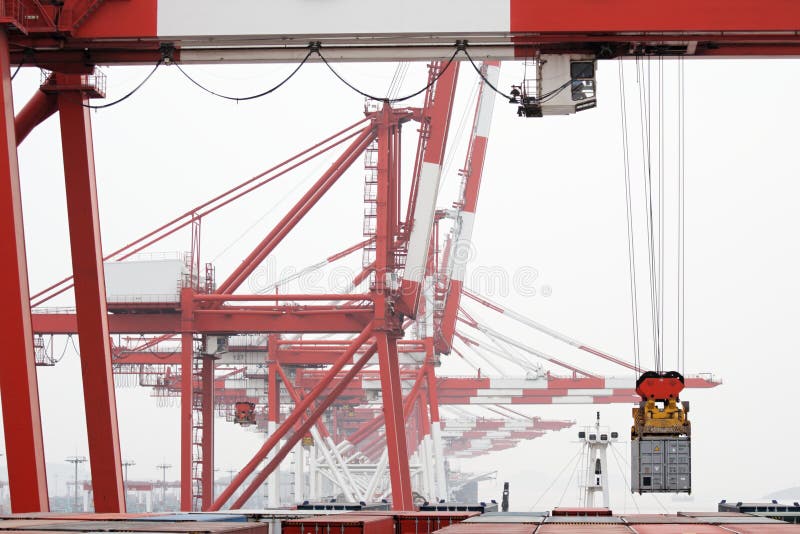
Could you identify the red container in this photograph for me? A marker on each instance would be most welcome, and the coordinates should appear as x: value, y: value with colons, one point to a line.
x: 419, y: 522
x: 427, y: 522
x: 489, y: 528
x: 340, y: 524
x: 586, y: 512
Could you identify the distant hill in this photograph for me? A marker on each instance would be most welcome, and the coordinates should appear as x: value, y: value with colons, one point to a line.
x: 788, y: 494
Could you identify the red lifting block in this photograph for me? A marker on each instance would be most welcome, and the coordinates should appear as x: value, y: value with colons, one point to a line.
x: 660, y: 385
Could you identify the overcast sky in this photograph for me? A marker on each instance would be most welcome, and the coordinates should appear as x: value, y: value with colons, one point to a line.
x: 552, y: 198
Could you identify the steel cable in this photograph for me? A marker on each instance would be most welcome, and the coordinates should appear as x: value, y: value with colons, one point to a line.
x: 615, y: 455
x: 558, y: 476
x: 681, y: 216
x: 629, y: 216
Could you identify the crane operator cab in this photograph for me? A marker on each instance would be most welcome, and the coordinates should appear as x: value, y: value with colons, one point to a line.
x: 556, y: 84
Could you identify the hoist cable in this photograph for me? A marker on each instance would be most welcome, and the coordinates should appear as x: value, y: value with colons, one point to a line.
x: 645, y: 124
x: 629, y: 216
x: 681, y: 215
x: 661, y: 211
x: 251, y: 97
x: 398, y: 78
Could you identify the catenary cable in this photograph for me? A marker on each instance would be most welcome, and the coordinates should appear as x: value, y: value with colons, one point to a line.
x: 251, y: 97
x: 130, y: 94
x: 386, y: 99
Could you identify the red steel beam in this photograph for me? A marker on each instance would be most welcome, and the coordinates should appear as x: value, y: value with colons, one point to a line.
x: 426, y: 187
x: 394, y: 423
x: 187, y: 393
x: 280, y: 297
x: 290, y: 220
x: 208, y: 207
x: 39, y: 107
x: 293, y: 417
x: 288, y: 319
x: 301, y: 431
x: 386, y: 227
x: 208, y: 432
x: 18, y: 386
x: 90, y: 298
x: 296, y: 398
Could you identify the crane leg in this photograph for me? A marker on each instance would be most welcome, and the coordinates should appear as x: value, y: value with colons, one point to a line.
x: 395, y: 423
x: 90, y: 298
x: 18, y: 386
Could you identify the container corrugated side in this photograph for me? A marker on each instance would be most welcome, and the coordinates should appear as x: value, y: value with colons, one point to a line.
x: 582, y: 528
x: 353, y: 523
x: 661, y: 464
x: 587, y: 520
x: 489, y: 528
x: 428, y: 522
x: 564, y: 511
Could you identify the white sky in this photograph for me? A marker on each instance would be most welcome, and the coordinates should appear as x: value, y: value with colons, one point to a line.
x: 552, y: 198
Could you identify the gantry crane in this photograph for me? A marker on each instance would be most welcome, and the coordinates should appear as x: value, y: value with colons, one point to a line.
x: 71, y: 37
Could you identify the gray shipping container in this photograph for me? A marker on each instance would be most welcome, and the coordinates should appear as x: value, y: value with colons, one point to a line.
x: 661, y: 464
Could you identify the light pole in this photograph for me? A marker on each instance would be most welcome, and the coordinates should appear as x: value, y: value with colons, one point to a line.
x: 164, y: 468
x: 126, y: 464
x: 76, y: 460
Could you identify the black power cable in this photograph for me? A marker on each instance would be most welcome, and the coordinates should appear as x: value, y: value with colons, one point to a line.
x: 483, y: 77
x: 385, y: 99
x: 16, y: 71
x: 130, y: 94
x: 251, y: 97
